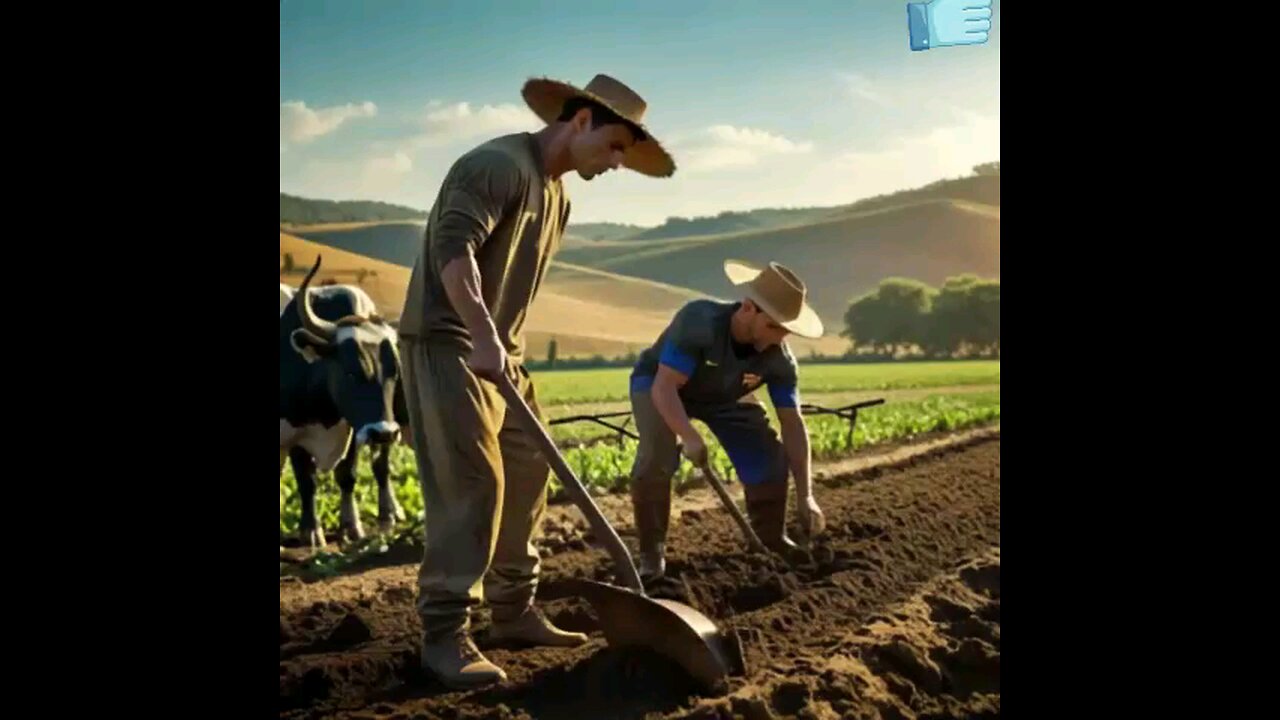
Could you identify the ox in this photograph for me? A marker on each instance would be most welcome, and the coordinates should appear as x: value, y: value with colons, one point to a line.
x: 339, y: 371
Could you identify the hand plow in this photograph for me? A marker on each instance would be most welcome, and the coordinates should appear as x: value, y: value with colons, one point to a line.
x: 627, y: 615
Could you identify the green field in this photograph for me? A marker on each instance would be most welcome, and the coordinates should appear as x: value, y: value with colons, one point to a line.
x: 604, y: 466
x: 572, y: 387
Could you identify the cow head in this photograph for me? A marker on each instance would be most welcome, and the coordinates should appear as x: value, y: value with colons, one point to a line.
x: 361, y: 366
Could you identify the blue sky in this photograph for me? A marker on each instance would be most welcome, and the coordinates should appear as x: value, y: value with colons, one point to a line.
x: 761, y: 104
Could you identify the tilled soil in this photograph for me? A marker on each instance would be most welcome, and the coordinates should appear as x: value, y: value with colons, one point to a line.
x: 893, y: 613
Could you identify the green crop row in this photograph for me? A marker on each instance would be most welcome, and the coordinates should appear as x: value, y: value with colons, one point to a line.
x: 571, y: 387
x: 605, y: 467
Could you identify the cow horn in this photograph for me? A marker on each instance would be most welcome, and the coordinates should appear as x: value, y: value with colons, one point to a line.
x: 310, y: 321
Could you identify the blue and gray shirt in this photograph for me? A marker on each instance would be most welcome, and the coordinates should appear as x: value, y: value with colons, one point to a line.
x: 698, y: 343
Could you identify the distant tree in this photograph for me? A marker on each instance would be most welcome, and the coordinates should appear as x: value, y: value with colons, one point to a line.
x: 950, y: 323
x: 861, y: 322
x: 904, y: 305
x: 305, y: 211
x: 984, y: 304
x: 991, y: 168
x: 937, y: 337
x: 891, y: 318
x: 965, y: 317
x: 551, y: 353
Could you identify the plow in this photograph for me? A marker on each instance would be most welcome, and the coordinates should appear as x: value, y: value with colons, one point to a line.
x: 894, y: 613
x: 848, y: 412
x: 629, y: 617
x: 738, y: 631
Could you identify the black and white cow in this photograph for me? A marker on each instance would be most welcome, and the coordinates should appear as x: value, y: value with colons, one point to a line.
x: 339, y: 371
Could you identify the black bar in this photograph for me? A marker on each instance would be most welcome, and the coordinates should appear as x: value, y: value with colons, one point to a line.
x: 816, y: 409
x: 597, y: 419
x: 848, y: 412
x: 575, y: 418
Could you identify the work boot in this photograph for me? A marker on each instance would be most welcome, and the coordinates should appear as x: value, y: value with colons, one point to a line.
x: 767, y: 512
x: 458, y: 663
x: 653, y: 563
x: 652, y: 513
x: 534, y: 628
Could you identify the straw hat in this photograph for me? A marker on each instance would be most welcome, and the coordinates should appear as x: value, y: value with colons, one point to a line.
x: 779, y: 292
x: 546, y: 98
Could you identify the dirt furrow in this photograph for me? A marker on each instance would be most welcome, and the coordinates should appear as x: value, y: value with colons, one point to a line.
x: 893, y: 613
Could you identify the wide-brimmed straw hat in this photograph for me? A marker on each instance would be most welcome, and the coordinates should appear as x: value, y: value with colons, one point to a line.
x: 777, y: 291
x: 547, y: 97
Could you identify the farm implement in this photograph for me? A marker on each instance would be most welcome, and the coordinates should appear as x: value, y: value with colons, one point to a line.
x: 628, y: 616
x: 847, y: 412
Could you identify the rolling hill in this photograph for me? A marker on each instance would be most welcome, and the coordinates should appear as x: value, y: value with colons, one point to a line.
x: 385, y: 282
x: 602, y: 231
x: 981, y: 188
x: 304, y: 211
x: 393, y: 242
x: 839, y: 258
x: 613, y: 294
x: 587, y: 311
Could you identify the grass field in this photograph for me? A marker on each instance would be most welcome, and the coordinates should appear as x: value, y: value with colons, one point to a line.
x: 604, y: 466
x: 571, y: 387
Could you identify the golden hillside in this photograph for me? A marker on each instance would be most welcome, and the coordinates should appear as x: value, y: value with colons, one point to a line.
x: 838, y: 259
x: 386, y: 283
x: 587, y: 311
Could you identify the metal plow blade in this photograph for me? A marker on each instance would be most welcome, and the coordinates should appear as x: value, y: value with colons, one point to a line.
x: 627, y: 615
x: 673, y: 630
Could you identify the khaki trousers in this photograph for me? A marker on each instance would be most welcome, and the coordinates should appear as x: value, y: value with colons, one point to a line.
x: 484, y: 487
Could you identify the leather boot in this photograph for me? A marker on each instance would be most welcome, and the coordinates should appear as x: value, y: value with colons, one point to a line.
x: 534, y: 628
x: 455, y: 659
x: 652, y: 514
x: 767, y: 512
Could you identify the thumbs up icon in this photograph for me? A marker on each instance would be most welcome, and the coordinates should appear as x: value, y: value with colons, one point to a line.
x: 941, y: 23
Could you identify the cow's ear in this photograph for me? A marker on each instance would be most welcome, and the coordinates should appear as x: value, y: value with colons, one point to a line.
x: 309, y: 345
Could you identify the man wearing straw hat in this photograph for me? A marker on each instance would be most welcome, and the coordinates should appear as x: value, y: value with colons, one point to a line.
x: 494, y: 226
x: 706, y: 365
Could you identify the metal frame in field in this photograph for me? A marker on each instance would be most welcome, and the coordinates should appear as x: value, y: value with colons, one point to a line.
x: 848, y: 412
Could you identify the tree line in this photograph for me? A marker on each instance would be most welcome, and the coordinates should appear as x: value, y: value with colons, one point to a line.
x: 906, y: 316
x: 304, y: 211
x: 902, y: 319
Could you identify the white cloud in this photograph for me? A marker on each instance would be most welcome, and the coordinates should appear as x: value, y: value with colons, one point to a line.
x: 758, y: 140
x: 946, y: 151
x: 445, y: 124
x: 726, y: 146
x: 976, y: 133
x: 860, y: 86
x: 384, y: 176
x: 369, y: 177
x: 717, y: 158
x: 301, y: 124
x: 396, y: 164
